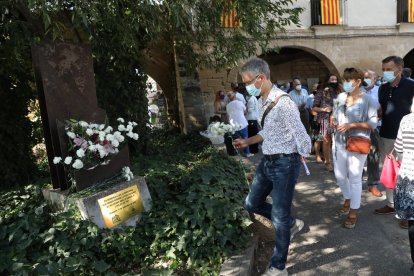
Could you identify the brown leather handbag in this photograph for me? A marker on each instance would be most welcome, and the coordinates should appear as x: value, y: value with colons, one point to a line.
x: 358, y: 144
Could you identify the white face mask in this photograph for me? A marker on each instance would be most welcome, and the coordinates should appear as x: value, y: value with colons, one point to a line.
x: 298, y: 87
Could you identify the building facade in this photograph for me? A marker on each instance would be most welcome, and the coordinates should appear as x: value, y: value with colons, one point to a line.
x: 334, y: 35
x: 365, y: 32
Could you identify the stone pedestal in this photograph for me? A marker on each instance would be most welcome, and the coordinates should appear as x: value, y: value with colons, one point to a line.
x: 117, y: 206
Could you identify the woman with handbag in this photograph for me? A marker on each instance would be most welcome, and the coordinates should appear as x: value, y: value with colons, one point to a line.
x: 404, y: 188
x: 354, y: 116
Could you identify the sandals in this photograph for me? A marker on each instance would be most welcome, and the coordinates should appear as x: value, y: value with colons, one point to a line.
x: 350, y: 222
x: 329, y: 167
x: 345, y: 207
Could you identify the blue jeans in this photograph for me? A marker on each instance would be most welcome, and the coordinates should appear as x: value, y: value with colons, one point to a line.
x: 243, y: 133
x: 277, y: 177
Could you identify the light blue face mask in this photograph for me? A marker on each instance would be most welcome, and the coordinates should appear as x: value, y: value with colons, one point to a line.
x: 348, y: 87
x: 389, y: 76
x: 368, y: 82
x: 252, y: 90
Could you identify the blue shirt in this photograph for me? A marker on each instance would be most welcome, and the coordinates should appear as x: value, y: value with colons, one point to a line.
x: 363, y: 110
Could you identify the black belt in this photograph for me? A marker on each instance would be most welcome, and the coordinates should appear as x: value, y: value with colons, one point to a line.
x: 270, y: 157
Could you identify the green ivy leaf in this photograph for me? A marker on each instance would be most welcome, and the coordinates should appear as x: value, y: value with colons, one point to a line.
x: 101, y: 266
x: 17, y: 266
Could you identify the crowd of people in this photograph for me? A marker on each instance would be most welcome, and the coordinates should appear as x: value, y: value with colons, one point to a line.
x: 352, y: 120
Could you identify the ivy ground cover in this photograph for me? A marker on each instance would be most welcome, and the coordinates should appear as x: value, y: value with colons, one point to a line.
x: 197, y: 220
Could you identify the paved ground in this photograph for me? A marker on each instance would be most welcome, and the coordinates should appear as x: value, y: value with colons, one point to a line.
x: 376, y: 246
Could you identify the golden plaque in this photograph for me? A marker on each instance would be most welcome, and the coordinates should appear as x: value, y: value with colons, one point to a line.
x: 120, y: 206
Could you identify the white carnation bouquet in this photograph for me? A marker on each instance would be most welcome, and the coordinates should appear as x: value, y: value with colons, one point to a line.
x: 217, y: 130
x: 92, y: 144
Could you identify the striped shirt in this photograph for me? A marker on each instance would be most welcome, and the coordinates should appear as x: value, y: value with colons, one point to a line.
x: 405, y: 144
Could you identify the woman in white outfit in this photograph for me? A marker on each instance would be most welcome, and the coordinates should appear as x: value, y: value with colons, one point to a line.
x: 355, y: 114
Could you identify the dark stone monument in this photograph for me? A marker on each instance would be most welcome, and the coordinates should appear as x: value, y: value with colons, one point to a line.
x: 66, y: 87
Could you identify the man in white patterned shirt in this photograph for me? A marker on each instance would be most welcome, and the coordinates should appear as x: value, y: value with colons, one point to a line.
x: 285, y: 142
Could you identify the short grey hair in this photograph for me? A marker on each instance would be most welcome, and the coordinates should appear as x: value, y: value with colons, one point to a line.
x: 256, y: 66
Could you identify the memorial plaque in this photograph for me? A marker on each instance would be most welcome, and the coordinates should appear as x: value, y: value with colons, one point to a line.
x: 120, y: 206
x: 66, y: 87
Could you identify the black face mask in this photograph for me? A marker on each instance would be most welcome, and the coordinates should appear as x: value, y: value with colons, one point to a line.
x: 333, y: 85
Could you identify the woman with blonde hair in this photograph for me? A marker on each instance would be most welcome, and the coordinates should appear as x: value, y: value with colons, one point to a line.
x: 404, y: 188
x: 354, y: 115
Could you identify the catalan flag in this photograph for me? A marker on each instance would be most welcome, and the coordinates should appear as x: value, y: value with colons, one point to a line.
x: 411, y: 11
x: 330, y: 12
x: 228, y: 19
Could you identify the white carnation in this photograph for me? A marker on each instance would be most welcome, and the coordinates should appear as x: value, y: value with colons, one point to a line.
x: 68, y: 160
x: 89, y: 132
x: 136, y: 136
x: 121, y: 128
x: 110, y: 137
x: 77, y: 164
x: 102, y: 153
x: 80, y: 153
x: 71, y: 134
x: 118, y: 136
x: 115, y: 143
x: 83, y: 124
x: 109, y: 129
x: 102, y: 135
x: 120, y: 120
x: 130, y: 134
x: 56, y: 160
x: 129, y: 127
x: 101, y: 127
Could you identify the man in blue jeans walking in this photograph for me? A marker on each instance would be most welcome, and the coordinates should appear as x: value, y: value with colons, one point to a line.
x: 285, y: 142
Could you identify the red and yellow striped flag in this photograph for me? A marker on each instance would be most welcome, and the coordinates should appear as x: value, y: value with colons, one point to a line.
x: 411, y: 11
x: 228, y: 19
x: 330, y: 12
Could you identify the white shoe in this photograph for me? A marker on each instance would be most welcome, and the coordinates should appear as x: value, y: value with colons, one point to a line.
x: 275, y: 272
x: 296, y: 228
x: 249, y: 155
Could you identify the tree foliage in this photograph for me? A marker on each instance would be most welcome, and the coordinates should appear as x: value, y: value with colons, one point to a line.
x: 119, y: 31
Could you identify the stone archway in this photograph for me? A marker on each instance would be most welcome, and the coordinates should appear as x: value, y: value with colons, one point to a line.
x: 310, y: 65
x: 409, y: 60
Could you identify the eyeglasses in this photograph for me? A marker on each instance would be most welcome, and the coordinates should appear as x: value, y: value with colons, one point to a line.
x: 251, y: 81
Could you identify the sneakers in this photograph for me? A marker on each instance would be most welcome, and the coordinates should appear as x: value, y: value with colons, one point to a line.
x: 386, y: 210
x: 296, y: 228
x: 374, y: 191
x: 275, y: 272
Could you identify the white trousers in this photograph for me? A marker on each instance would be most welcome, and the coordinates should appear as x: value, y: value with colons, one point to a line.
x: 348, y: 167
x: 385, y: 147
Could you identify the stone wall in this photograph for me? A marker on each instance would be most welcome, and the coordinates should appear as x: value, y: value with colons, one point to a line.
x: 329, y: 49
